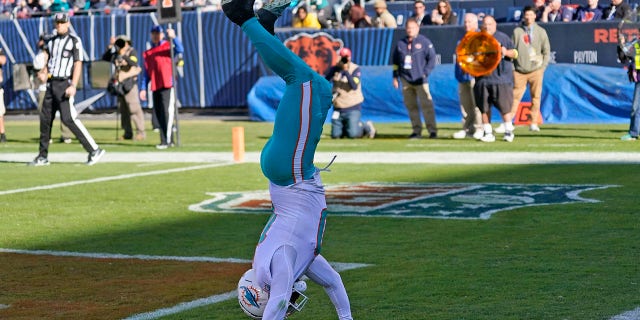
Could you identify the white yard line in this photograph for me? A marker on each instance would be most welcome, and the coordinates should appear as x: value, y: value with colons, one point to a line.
x: 184, y: 306
x: 99, y: 255
x: 353, y: 157
x: 181, y: 307
x: 112, y: 178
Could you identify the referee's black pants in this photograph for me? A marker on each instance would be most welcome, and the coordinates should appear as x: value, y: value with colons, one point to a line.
x: 56, y: 100
x: 164, y: 108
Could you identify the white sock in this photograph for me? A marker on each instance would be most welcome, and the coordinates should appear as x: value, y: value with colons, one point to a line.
x: 488, y: 129
x: 508, y: 126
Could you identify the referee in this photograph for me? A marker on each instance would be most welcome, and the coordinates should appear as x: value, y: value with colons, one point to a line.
x: 62, y: 52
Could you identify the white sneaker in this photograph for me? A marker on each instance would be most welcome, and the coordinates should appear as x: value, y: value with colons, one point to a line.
x: 372, y: 129
x: 460, y: 134
x: 489, y: 137
x: 500, y: 129
x: 508, y: 136
x: 478, y: 134
x: 534, y: 128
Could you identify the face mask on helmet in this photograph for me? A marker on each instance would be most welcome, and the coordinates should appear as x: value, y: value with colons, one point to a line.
x: 253, y: 299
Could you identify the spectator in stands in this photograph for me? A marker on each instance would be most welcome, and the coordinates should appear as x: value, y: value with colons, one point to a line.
x: 496, y: 88
x: 80, y: 5
x: 358, y: 18
x: 6, y: 14
x: 158, y: 72
x: 532, y: 43
x: 3, y: 61
x: 7, y: 7
x: 539, y: 6
x: 617, y: 10
x: 346, y: 121
x: 628, y: 54
x: 471, y: 116
x: 34, y: 5
x: 555, y: 12
x: 443, y: 14
x: 22, y: 10
x: 59, y: 6
x: 128, y: 4
x: 420, y: 13
x: 324, y: 11
x: 590, y: 12
x: 305, y: 19
x: 413, y: 60
x: 383, y: 18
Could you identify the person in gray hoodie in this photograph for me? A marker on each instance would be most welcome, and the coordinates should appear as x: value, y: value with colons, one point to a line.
x: 532, y: 43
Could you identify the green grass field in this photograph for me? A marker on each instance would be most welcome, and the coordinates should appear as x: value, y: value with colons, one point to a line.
x: 561, y: 261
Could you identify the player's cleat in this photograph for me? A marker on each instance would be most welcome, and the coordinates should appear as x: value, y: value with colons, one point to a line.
x: 460, y: 134
x: 65, y: 140
x: 39, y: 161
x: 534, y: 128
x: 415, y: 136
x: 508, y: 136
x: 478, y: 134
x: 433, y: 135
x: 238, y: 11
x: 372, y: 129
x: 162, y: 146
x: 3, y: 138
x: 298, y: 300
x: 271, y: 11
x: 277, y: 7
x: 488, y: 137
x: 628, y: 137
x: 94, y: 156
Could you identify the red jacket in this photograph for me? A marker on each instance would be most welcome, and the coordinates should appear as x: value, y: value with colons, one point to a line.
x: 157, y: 62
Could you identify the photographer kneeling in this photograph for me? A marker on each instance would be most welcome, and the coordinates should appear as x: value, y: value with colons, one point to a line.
x: 347, y: 100
x: 124, y: 85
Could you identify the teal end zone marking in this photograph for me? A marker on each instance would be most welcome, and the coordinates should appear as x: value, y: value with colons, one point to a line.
x: 404, y: 200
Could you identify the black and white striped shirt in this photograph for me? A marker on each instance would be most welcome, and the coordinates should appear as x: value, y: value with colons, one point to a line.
x: 63, y: 51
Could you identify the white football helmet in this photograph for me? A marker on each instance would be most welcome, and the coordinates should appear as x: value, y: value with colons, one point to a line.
x: 253, y: 299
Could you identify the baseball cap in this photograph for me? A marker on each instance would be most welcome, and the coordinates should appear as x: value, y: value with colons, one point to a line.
x: 61, y: 17
x: 157, y: 28
x: 345, y: 52
x: 380, y: 4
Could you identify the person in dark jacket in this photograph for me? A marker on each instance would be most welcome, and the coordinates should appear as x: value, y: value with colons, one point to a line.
x: 496, y: 88
x: 618, y: 10
x: 413, y: 60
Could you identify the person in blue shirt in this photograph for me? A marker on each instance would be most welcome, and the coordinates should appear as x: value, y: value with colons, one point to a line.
x: 471, y: 117
x: 413, y: 61
x: 592, y: 11
x: 290, y: 244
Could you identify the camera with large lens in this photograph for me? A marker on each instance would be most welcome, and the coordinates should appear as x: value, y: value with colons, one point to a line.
x: 120, y: 43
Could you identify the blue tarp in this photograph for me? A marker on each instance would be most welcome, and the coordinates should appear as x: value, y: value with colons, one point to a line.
x: 571, y: 94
